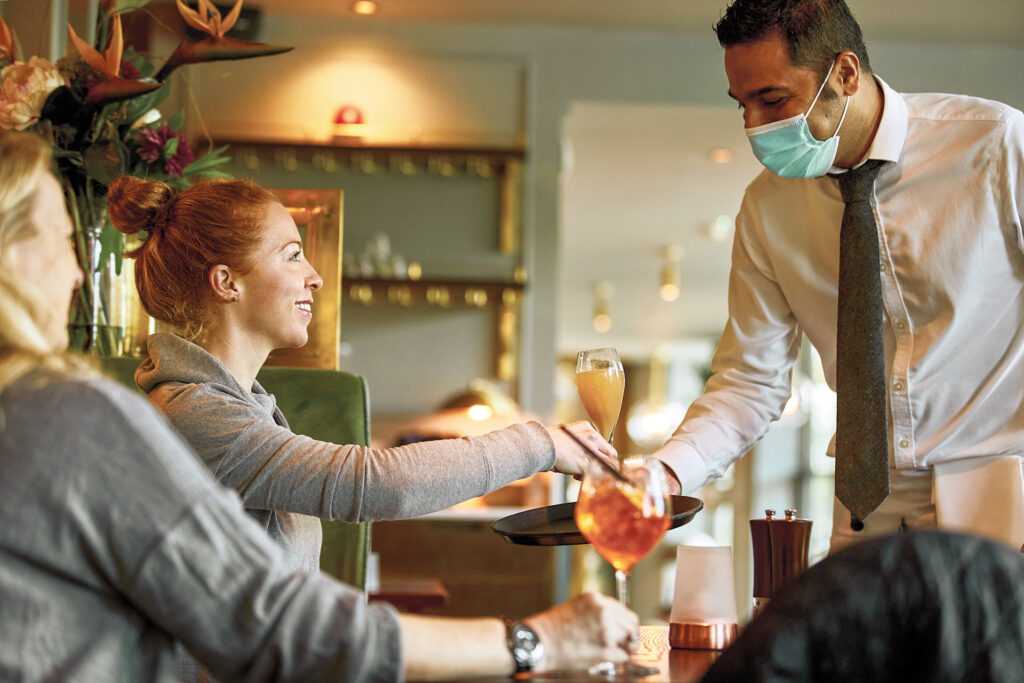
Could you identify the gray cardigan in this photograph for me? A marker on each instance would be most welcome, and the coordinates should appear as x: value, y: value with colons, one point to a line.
x: 115, y: 542
x: 283, y: 477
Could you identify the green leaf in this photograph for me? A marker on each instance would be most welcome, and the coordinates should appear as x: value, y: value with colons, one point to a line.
x: 136, y: 107
x: 207, y: 161
x: 171, y: 147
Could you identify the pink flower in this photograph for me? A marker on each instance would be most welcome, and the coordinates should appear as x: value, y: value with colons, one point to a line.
x: 24, y: 88
x: 152, y: 147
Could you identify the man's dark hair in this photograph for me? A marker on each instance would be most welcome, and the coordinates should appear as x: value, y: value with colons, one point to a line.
x: 815, y: 31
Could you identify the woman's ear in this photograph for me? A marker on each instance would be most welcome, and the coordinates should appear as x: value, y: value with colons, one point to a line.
x: 222, y: 284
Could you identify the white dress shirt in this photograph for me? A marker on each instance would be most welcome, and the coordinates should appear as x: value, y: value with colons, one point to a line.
x: 952, y: 260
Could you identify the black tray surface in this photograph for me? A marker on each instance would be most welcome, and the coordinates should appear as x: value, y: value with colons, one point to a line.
x: 555, y: 525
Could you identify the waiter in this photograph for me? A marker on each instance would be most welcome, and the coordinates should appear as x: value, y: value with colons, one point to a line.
x: 887, y: 227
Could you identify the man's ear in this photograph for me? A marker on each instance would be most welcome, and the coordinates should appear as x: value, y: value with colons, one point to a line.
x: 222, y: 283
x: 848, y: 70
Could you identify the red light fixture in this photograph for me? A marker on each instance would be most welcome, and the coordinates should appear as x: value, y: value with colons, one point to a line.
x: 349, y: 115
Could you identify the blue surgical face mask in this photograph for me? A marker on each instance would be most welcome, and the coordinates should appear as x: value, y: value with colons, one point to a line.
x: 787, y: 147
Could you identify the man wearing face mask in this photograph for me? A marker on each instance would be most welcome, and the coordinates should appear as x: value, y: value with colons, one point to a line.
x: 887, y: 227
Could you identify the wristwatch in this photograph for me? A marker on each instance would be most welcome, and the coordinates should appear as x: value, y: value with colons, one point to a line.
x: 524, y: 645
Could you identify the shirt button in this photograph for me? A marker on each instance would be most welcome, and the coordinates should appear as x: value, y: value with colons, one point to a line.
x: 883, y: 267
x: 901, y: 325
x: 904, y: 443
x: 898, y: 386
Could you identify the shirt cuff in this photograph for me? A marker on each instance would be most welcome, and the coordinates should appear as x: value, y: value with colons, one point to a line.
x: 686, y: 464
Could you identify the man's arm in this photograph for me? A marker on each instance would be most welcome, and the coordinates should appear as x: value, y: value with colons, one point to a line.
x: 1013, y: 170
x: 751, y: 369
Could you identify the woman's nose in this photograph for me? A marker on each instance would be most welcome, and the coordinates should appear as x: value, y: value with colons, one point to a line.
x: 315, y: 282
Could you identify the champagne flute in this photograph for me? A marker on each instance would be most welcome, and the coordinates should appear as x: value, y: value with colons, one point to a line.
x: 601, y: 383
x: 624, y: 521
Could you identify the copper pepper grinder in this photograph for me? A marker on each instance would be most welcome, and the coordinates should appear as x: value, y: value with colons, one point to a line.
x: 780, y: 553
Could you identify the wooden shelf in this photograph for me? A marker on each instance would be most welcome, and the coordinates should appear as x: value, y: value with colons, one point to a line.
x: 354, y: 146
x: 503, y: 297
x: 444, y: 293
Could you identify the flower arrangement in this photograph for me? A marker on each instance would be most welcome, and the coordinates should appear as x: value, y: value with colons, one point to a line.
x: 98, y: 108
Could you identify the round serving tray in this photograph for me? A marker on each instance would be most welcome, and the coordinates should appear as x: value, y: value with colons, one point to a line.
x: 555, y: 524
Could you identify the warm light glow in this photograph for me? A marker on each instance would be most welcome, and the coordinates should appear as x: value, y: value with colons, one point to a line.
x: 364, y: 7
x: 720, y: 155
x: 669, y: 278
x: 415, y: 270
x: 720, y: 228
x: 602, y: 322
x: 349, y: 115
x: 480, y: 412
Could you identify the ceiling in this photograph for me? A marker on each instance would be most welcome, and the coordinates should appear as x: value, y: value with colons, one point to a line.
x: 984, y: 21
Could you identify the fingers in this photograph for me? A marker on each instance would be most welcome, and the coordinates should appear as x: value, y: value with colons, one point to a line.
x: 586, y: 432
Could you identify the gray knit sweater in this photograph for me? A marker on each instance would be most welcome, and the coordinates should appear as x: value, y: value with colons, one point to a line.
x: 115, y: 543
x: 286, y: 480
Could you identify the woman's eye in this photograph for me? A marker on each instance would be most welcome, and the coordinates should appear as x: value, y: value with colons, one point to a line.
x: 295, y: 256
x: 775, y: 102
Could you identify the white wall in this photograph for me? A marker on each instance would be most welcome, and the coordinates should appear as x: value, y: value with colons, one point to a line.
x: 559, y: 66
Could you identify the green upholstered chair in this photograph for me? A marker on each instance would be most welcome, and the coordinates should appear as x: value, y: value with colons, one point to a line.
x: 325, y: 405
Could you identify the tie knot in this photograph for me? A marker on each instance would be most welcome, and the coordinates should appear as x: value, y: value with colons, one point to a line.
x: 857, y: 184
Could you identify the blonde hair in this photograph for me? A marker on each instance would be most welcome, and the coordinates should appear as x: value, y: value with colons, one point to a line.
x: 187, y: 233
x: 23, y: 345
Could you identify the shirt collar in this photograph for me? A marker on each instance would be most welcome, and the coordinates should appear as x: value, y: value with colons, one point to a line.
x: 892, y: 129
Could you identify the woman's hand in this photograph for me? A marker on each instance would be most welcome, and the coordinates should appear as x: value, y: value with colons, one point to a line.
x: 588, y: 629
x: 570, y: 458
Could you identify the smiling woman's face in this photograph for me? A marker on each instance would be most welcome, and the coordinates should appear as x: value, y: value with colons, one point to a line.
x: 275, y: 302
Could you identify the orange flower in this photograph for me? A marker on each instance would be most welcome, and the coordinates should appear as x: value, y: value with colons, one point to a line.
x: 215, y: 45
x: 6, y: 42
x: 108, y: 63
x: 206, y: 17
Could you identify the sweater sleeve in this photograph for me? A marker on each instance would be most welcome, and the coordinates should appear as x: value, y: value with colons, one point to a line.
x: 273, y: 468
x: 181, y: 551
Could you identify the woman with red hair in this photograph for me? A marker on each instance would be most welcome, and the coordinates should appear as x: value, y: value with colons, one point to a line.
x: 223, y: 263
x: 116, y: 546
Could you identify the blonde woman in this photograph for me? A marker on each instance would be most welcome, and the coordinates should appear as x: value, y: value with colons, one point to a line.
x: 116, y: 544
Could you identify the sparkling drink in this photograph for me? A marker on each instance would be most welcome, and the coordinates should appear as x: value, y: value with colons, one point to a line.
x: 601, y: 391
x: 621, y: 522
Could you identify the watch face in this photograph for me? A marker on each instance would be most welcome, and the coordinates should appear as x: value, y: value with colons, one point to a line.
x: 527, y: 650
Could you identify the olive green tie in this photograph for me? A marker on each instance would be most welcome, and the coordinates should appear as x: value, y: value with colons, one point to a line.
x: 862, y: 451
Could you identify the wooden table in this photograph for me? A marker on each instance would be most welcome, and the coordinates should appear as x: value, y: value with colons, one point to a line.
x: 674, y: 666
x: 411, y: 595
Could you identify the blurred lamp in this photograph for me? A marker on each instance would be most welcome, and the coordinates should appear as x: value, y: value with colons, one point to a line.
x: 349, y: 122
x: 364, y: 7
x: 669, y: 285
x: 602, y: 319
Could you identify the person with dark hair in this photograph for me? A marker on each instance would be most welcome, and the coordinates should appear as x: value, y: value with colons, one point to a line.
x: 887, y: 227
x: 923, y: 606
